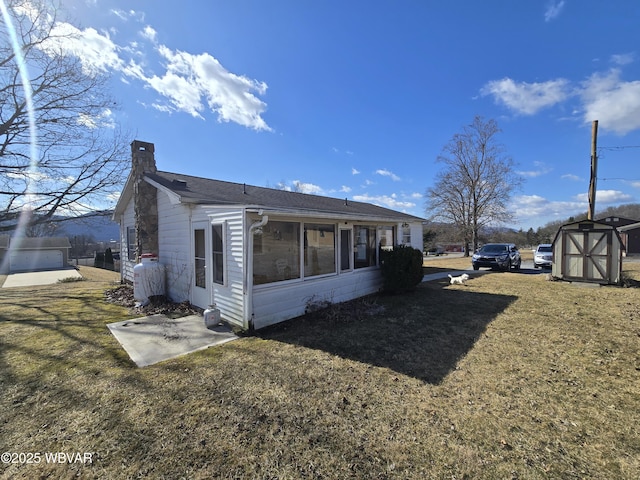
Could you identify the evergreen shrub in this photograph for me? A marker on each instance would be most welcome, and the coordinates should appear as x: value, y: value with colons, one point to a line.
x: 401, y: 268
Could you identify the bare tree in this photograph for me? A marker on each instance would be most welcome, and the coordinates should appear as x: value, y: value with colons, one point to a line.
x: 76, y: 160
x: 476, y: 184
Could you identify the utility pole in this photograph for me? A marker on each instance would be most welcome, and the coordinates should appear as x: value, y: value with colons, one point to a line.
x: 594, y: 170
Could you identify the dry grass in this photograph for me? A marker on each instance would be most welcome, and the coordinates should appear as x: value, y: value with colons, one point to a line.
x: 510, y: 376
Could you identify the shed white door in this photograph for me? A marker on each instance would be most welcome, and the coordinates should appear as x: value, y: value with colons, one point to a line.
x: 35, y: 260
x: 201, y: 280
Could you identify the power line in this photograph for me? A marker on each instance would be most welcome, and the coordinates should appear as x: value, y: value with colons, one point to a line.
x: 621, y: 147
x: 624, y: 179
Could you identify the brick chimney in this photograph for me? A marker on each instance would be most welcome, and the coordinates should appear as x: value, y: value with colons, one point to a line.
x: 145, y: 203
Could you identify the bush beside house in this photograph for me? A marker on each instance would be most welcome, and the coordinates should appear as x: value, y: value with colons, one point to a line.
x: 401, y: 268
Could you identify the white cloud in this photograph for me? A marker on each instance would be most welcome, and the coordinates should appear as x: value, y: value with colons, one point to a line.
x: 354, y: 171
x: 96, y: 52
x: 303, y: 187
x: 606, y: 196
x: 530, y: 208
x: 104, y: 120
x: 128, y: 14
x: 345, y: 189
x: 622, y: 58
x: 570, y: 176
x: 386, y: 173
x: 553, y: 10
x: 526, y: 98
x: 611, y: 101
x: 188, y: 83
x: 542, y: 169
x: 149, y: 33
x: 389, y: 201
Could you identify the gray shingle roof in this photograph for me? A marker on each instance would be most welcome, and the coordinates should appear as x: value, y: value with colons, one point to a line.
x: 205, y: 191
x: 29, y: 243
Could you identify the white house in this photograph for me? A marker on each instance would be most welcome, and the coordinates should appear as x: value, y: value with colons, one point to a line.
x: 260, y: 255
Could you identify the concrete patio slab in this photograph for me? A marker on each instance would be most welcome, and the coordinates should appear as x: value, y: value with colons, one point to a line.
x: 156, y: 338
x: 45, y: 277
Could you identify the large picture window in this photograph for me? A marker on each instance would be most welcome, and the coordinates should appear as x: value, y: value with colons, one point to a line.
x: 365, y: 248
x: 276, y: 252
x: 319, y: 249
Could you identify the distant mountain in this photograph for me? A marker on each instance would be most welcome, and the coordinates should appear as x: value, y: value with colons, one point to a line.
x: 100, y: 227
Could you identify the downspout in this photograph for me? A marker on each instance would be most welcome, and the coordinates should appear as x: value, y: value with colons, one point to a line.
x: 249, y: 270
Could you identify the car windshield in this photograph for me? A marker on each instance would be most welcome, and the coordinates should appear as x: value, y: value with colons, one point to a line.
x: 494, y: 248
x: 544, y: 248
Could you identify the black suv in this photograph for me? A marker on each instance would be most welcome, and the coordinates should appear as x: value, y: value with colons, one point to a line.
x: 503, y: 256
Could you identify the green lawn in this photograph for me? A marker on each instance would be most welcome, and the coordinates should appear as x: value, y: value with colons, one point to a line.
x: 510, y: 376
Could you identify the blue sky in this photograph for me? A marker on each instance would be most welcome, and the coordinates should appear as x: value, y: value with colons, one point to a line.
x: 357, y: 99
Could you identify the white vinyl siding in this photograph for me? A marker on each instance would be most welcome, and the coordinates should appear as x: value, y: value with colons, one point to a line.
x: 229, y: 295
x: 126, y: 261
x: 278, y: 302
x: 174, y: 247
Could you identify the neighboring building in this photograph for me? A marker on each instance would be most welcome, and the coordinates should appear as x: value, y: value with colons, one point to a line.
x: 629, y: 231
x: 26, y: 254
x: 261, y: 255
x: 4, y: 258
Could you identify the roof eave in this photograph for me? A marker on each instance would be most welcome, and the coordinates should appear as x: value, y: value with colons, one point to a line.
x: 306, y: 213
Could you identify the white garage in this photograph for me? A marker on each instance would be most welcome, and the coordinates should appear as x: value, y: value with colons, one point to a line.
x: 38, y: 253
x: 38, y: 260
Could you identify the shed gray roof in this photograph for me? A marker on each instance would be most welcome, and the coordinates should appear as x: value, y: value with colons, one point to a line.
x: 205, y: 191
x: 39, y: 243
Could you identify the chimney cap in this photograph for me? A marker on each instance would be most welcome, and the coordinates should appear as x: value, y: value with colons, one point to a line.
x: 138, y: 145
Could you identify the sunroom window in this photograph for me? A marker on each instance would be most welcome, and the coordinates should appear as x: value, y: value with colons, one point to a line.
x: 387, y: 237
x: 319, y: 249
x: 365, y: 246
x: 276, y: 252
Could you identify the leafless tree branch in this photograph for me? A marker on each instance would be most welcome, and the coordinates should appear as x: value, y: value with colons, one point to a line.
x: 474, y: 188
x: 80, y: 162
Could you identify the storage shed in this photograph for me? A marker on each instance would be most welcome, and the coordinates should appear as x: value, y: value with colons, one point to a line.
x: 588, y: 251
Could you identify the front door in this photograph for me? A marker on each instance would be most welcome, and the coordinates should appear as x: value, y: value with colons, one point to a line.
x: 200, y: 282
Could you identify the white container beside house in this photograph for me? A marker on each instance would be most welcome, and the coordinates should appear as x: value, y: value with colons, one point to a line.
x: 148, y: 278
